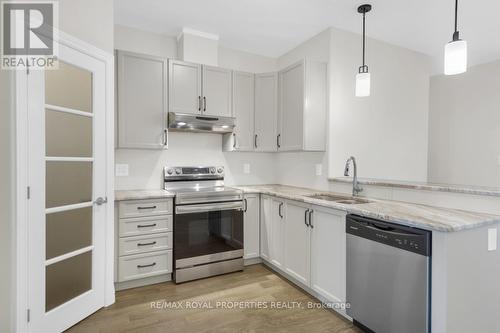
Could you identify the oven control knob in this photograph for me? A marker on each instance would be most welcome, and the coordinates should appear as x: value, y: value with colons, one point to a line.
x: 170, y: 171
x: 178, y: 171
x: 220, y: 169
x: 212, y: 170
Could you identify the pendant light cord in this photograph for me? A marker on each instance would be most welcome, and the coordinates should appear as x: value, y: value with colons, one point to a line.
x: 456, y: 33
x: 364, y: 14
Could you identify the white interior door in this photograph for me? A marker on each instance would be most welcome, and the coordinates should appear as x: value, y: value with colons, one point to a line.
x: 67, y: 177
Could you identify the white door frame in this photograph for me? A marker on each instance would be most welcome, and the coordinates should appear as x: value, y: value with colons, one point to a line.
x: 21, y: 269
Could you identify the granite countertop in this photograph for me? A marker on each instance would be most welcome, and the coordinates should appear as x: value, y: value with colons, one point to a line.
x: 414, y: 215
x: 122, y: 195
x: 466, y: 189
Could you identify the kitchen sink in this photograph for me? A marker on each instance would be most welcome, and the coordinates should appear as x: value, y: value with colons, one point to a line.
x: 342, y: 199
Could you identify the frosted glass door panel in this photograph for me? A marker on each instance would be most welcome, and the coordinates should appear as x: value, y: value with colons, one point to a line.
x: 68, y: 183
x: 68, y: 134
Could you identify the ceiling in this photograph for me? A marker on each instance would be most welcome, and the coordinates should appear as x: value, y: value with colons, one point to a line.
x: 273, y: 27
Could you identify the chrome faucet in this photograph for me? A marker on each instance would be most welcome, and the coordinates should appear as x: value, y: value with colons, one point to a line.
x: 355, y: 186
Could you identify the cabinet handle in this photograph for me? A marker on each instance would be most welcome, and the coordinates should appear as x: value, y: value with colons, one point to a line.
x: 310, y: 219
x: 146, y: 244
x: 255, y: 141
x: 144, y: 266
x: 165, y: 138
x: 305, y: 217
x: 279, y: 210
x: 245, y: 205
x: 278, y: 140
x: 199, y: 103
x: 148, y: 207
x: 146, y: 225
x: 204, y: 104
x: 234, y: 140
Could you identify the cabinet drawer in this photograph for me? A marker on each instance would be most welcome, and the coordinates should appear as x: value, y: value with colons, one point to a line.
x: 142, y: 244
x: 138, y: 208
x: 145, y: 225
x: 144, y: 265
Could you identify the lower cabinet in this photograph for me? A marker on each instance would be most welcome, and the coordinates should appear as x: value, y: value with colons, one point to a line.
x: 328, y: 253
x: 307, y: 243
x: 251, y: 227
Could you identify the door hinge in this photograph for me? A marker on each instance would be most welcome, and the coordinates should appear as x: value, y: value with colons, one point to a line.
x: 28, y: 315
x: 28, y: 192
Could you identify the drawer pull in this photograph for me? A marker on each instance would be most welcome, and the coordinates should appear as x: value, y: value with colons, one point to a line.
x: 146, y: 244
x: 146, y: 225
x: 144, y: 266
x: 148, y: 207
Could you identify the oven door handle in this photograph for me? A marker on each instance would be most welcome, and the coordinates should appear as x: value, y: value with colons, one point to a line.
x: 190, y: 209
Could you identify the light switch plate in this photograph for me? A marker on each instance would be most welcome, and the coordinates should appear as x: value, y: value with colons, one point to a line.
x: 319, y: 169
x: 246, y: 168
x: 121, y: 170
x: 492, y: 239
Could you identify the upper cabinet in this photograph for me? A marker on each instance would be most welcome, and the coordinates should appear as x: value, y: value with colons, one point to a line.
x: 217, y: 91
x: 303, y: 107
x: 141, y: 101
x: 199, y: 89
x: 184, y: 87
x: 266, y: 112
x: 242, y: 138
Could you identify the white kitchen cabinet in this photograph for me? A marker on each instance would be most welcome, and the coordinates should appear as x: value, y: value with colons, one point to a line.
x: 277, y: 232
x: 266, y: 112
x: 141, y: 101
x: 297, y: 241
x: 242, y: 138
x: 266, y: 217
x: 251, y: 227
x: 303, y: 107
x: 217, y: 91
x: 328, y: 253
x: 184, y: 87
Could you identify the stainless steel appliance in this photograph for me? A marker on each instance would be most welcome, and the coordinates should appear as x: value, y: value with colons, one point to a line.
x: 388, y: 276
x: 200, y: 123
x: 208, y: 223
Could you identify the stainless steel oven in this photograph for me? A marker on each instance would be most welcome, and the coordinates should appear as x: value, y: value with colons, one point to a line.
x: 208, y: 223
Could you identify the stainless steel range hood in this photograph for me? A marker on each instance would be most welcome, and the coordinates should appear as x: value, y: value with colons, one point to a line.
x: 200, y: 123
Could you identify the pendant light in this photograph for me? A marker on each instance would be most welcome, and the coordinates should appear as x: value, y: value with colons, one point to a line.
x: 455, y: 52
x: 363, y: 76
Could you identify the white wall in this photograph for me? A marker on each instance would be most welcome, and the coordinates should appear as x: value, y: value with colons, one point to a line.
x: 145, y: 167
x: 386, y: 132
x: 464, y: 127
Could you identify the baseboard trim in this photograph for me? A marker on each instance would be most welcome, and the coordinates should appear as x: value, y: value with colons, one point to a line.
x: 142, y: 282
x: 252, y: 261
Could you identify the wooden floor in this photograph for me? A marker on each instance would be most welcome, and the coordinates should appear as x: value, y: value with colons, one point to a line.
x: 133, y: 311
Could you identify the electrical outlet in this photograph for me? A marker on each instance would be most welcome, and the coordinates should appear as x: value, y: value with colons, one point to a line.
x: 246, y: 168
x: 121, y: 170
x: 319, y: 169
x: 492, y: 239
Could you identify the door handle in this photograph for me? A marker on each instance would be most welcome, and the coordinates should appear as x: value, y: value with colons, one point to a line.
x: 245, y: 205
x: 204, y: 104
x: 146, y: 225
x: 148, y: 207
x: 199, y: 103
x: 255, y: 141
x: 101, y: 201
x: 234, y: 140
x: 305, y: 217
x: 144, y: 266
x: 310, y: 219
x: 146, y: 244
x: 279, y: 210
x: 278, y: 141
x: 165, y: 138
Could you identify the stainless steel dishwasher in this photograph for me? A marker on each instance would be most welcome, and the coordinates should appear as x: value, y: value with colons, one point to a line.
x: 388, y: 276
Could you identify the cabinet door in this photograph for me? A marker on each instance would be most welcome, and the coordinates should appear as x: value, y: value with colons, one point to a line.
x: 217, y: 91
x: 328, y: 253
x: 291, y: 125
x: 243, y: 110
x: 184, y: 87
x: 266, y: 112
x: 251, y: 226
x: 297, y: 242
x: 142, y: 100
x: 277, y: 233
x: 266, y: 219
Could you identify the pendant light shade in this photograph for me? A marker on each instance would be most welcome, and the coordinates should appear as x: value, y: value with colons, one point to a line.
x: 455, y: 52
x: 363, y: 78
